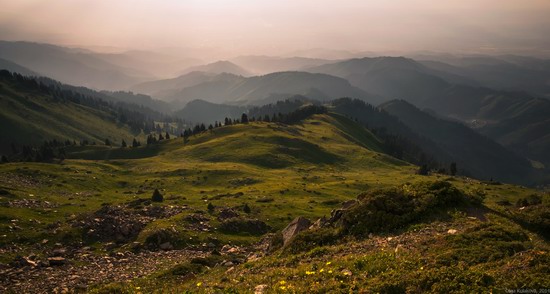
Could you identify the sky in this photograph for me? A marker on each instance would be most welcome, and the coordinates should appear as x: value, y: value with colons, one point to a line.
x: 277, y: 27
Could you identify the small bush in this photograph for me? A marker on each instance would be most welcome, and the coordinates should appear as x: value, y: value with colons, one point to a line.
x: 307, y: 240
x: 389, y: 209
x: 157, y: 197
x: 185, y: 269
x: 532, y: 199
x: 242, y: 225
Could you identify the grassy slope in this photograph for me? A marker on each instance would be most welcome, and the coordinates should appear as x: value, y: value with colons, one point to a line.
x: 27, y: 117
x: 303, y: 168
x: 284, y: 160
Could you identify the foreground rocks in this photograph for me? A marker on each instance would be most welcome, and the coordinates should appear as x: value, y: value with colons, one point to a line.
x: 122, y: 223
x: 296, y: 226
x: 84, y: 270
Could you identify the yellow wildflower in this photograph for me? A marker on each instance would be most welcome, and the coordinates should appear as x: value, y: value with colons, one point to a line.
x: 282, y: 282
x: 328, y: 262
x: 282, y: 288
x: 310, y: 273
x: 199, y: 284
x: 321, y: 270
x: 330, y: 271
x: 137, y: 288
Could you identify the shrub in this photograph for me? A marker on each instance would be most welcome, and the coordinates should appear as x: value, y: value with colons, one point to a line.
x: 532, y: 199
x: 389, y: 209
x: 157, y: 197
x: 246, y: 208
x: 184, y: 269
x: 309, y: 239
x: 242, y: 225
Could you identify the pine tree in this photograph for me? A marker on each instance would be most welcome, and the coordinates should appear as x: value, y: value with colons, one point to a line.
x: 123, y: 144
x: 246, y: 208
x: 107, y: 142
x: 244, y: 118
x: 135, y: 143
x: 453, y: 168
x: 167, y: 136
x: 210, y: 207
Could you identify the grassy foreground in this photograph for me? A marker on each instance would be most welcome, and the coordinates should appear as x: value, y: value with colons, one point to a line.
x: 279, y: 172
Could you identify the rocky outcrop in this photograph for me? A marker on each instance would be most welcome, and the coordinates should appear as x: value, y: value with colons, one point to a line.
x: 296, y: 226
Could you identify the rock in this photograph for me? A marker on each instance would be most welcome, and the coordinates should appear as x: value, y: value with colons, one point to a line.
x: 452, y: 231
x: 347, y: 272
x: 229, y: 263
x: 23, y: 262
x: 319, y: 223
x: 260, y: 289
x: 166, y: 246
x: 56, y: 261
x: 227, y: 214
x: 59, y: 252
x: 296, y: 226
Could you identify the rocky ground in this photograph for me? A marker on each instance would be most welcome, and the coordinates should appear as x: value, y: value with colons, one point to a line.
x: 78, y: 273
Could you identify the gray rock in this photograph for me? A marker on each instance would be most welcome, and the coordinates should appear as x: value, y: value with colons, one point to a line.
x: 296, y: 226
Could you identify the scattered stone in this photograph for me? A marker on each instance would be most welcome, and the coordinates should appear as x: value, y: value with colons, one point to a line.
x: 56, y: 261
x: 452, y: 231
x: 347, y: 272
x: 319, y: 223
x: 260, y: 289
x: 296, y: 226
x: 227, y: 213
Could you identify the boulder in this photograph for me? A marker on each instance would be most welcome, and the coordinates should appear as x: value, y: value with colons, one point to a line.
x: 296, y: 226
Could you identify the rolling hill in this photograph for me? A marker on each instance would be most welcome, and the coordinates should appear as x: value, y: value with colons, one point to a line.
x: 164, y: 88
x: 262, y: 65
x: 270, y: 88
x: 200, y: 111
x: 218, y: 67
x: 14, y: 67
x: 506, y: 72
x: 32, y: 113
x: 476, y: 153
x: 515, y: 119
x: 72, y: 66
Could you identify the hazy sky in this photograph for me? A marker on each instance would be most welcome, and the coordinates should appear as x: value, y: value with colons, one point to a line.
x: 278, y: 26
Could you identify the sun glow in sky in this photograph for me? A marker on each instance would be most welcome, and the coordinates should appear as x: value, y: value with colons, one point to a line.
x: 272, y: 27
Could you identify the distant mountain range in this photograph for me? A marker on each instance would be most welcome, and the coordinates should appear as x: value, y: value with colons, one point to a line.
x: 261, y: 65
x: 516, y: 119
x: 218, y: 67
x: 501, y: 97
x: 232, y: 89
